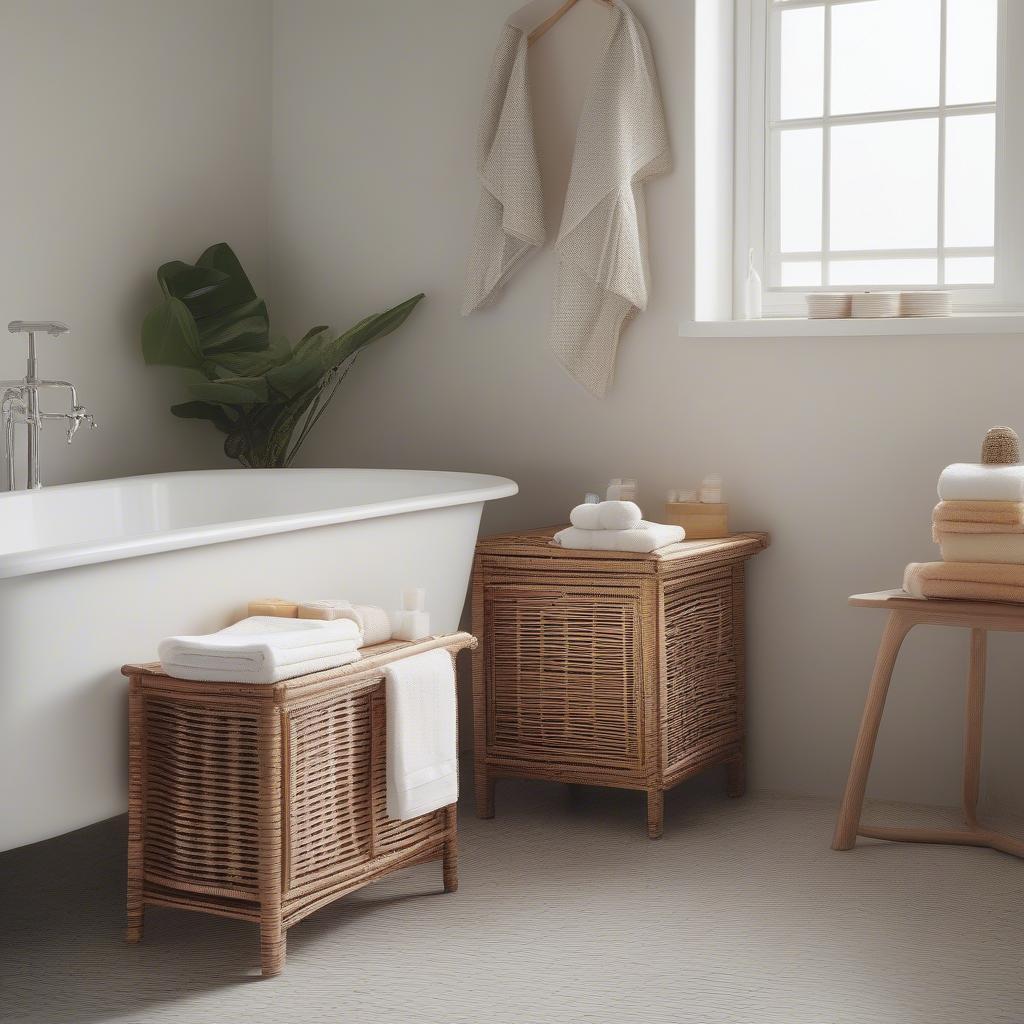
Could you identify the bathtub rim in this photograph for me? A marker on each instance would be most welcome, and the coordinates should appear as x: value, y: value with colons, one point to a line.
x: 67, y: 556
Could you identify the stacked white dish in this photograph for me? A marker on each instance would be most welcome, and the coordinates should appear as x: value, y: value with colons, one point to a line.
x: 926, y: 304
x: 875, y: 304
x: 828, y: 305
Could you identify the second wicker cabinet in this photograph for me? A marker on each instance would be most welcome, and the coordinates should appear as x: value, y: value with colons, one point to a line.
x: 607, y: 668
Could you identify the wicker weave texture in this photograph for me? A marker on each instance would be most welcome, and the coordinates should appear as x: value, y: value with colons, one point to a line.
x: 265, y: 803
x: 611, y: 671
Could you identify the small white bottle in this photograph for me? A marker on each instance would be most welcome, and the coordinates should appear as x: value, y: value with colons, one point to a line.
x: 752, y: 291
x: 411, y: 621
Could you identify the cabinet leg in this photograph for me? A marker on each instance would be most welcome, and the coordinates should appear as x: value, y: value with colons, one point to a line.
x: 133, y: 933
x: 736, y: 776
x: 484, y: 794
x: 450, y: 862
x: 273, y: 948
x: 655, y: 813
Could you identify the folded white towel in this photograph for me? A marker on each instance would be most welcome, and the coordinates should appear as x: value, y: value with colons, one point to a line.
x: 964, y: 481
x: 422, y: 750
x: 262, y: 649
x: 1007, y: 548
x: 645, y: 538
x: 607, y: 515
x: 587, y: 516
x: 619, y: 515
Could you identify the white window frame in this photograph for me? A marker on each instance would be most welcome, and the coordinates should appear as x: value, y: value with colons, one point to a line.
x: 756, y: 150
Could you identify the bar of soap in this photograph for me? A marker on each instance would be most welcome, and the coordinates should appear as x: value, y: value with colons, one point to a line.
x: 276, y: 606
x: 334, y: 608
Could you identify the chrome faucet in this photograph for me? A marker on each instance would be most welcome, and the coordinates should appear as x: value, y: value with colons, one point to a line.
x: 19, y: 403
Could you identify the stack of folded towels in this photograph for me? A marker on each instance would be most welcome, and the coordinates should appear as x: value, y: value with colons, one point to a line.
x: 262, y: 649
x: 615, y: 526
x: 979, y: 527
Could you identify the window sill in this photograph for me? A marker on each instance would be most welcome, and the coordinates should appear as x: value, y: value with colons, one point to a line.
x: 802, y: 327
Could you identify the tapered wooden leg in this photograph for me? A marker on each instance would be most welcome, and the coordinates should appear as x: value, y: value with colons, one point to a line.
x: 655, y: 813
x: 136, y: 812
x: 450, y: 863
x: 972, y: 726
x: 272, y: 936
x: 736, y: 776
x: 896, y: 629
x: 484, y: 793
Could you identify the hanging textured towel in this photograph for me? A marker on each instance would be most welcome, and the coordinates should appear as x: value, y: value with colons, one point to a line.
x: 621, y: 142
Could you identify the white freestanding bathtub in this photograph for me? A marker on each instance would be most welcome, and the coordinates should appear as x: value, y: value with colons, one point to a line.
x: 94, y: 575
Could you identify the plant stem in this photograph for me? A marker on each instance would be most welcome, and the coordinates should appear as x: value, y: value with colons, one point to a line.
x: 318, y: 408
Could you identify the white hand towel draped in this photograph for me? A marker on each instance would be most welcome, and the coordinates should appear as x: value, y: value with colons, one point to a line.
x: 621, y: 142
x: 422, y: 746
x: 262, y: 649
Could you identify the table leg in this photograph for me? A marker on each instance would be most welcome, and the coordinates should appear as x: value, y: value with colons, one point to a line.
x: 896, y: 629
x: 972, y: 726
x: 450, y: 863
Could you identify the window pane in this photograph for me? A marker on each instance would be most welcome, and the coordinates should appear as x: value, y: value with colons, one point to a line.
x: 802, y: 55
x: 883, y: 272
x: 800, y: 190
x: 970, y: 270
x: 970, y: 179
x: 885, y: 185
x: 801, y: 274
x: 971, y: 33
x: 885, y: 55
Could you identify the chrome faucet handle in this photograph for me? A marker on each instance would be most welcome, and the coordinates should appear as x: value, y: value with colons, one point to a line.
x: 52, y: 327
x: 76, y: 418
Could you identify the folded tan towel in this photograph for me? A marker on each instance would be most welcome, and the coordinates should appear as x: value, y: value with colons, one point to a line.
x: 966, y: 581
x: 1006, y: 548
x: 979, y: 516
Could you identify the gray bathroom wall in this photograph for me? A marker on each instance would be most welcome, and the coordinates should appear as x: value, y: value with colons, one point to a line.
x: 132, y: 132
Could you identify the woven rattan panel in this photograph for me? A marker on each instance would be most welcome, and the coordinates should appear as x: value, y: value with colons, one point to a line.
x: 562, y: 673
x: 201, y: 797
x: 328, y: 787
x: 702, y: 710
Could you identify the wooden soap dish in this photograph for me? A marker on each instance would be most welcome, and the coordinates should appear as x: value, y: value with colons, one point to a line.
x: 702, y: 520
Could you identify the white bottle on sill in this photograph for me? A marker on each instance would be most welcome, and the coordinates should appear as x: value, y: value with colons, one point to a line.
x: 752, y: 291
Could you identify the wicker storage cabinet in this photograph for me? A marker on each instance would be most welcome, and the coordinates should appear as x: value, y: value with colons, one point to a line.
x: 265, y: 803
x: 608, y: 668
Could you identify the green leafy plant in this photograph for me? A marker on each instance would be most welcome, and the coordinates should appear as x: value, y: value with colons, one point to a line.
x: 264, y: 394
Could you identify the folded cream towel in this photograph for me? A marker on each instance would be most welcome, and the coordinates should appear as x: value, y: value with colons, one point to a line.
x: 606, y: 515
x: 966, y: 581
x: 1007, y: 548
x: 261, y: 649
x: 964, y: 481
x: 645, y: 538
x: 977, y: 517
x: 374, y: 623
x: 422, y: 750
x: 329, y: 608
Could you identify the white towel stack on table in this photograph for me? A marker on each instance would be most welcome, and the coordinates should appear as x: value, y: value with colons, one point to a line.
x: 262, y: 649
x: 615, y: 526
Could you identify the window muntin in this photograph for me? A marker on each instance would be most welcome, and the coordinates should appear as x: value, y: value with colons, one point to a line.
x: 880, y: 138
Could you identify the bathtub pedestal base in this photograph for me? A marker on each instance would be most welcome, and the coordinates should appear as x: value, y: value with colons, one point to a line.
x: 228, y: 785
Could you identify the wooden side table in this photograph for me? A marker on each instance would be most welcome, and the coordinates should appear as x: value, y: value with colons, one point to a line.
x: 609, y: 668
x: 265, y: 803
x: 905, y: 613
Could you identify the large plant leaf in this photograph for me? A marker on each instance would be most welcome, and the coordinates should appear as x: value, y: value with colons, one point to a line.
x: 170, y: 338
x: 228, y: 315
x: 370, y: 329
x: 216, y: 414
x: 232, y: 390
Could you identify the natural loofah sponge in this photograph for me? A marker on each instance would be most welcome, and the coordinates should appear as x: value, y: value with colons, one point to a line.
x: 1001, y: 447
